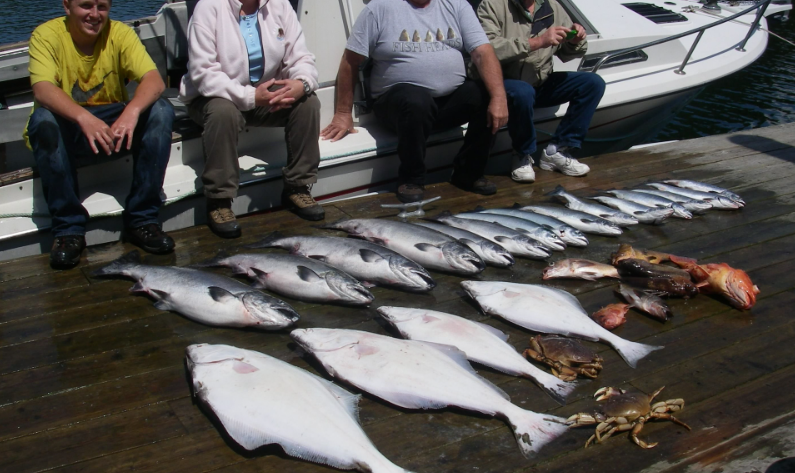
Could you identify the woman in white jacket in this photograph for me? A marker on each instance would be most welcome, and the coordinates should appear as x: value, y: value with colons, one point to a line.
x: 249, y: 65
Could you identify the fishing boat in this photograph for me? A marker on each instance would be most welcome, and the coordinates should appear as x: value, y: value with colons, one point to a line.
x: 654, y: 55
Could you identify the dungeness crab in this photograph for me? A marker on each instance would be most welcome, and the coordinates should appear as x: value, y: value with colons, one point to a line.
x: 567, y: 357
x: 624, y: 411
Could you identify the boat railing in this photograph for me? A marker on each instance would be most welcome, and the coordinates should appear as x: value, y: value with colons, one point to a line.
x: 760, y: 7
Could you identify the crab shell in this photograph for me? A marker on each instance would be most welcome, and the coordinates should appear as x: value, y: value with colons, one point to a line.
x: 563, y: 349
x: 630, y: 406
x: 734, y: 284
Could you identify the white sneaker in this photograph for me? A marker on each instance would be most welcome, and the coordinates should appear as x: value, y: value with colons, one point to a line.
x: 523, y: 169
x: 559, y: 160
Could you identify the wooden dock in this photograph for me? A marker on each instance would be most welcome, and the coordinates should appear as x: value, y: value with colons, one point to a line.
x: 92, y: 379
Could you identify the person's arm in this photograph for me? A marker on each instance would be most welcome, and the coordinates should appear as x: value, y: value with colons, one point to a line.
x: 342, y: 123
x: 51, y: 97
x: 491, y: 73
x: 148, y: 91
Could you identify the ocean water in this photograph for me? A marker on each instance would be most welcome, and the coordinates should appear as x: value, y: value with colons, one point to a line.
x: 762, y: 94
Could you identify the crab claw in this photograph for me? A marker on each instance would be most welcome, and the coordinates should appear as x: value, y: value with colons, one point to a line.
x: 607, y: 392
x: 581, y: 419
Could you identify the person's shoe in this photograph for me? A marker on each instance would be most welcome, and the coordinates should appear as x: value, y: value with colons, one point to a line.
x: 408, y: 193
x: 66, y: 251
x: 523, y: 168
x: 221, y: 219
x: 150, y: 238
x: 480, y: 186
x: 554, y: 159
x: 299, y: 200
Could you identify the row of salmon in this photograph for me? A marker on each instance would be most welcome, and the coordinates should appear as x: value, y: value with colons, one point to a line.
x: 261, y: 400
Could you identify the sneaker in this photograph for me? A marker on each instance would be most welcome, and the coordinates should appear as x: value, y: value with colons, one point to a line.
x: 523, y: 168
x: 66, y: 251
x: 150, y: 238
x: 408, y: 193
x: 299, y: 200
x: 554, y: 159
x: 481, y: 185
x: 221, y: 219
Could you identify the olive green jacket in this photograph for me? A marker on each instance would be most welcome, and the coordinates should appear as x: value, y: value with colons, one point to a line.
x: 508, y: 30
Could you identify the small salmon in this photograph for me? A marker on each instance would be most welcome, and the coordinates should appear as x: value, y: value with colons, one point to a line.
x: 579, y: 269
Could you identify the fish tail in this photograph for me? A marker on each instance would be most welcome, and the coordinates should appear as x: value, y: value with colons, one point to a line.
x: 559, y: 190
x: 335, y: 225
x: 534, y: 430
x: 119, y: 265
x: 558, y: 389
x: 267, y: 241
x: 212, y: 262
x: 632, y: 352
x: 439, y: 217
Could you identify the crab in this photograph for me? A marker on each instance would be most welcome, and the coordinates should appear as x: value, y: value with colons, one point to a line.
x: 624, y: 411
x: 567, y: 357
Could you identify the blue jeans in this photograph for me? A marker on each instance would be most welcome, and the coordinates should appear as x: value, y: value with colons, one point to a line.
x: 582, y: 90
x: 57, y: 142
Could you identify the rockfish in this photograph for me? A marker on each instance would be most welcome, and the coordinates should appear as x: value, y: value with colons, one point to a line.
x: 611, y: 316
x: 733, y: 284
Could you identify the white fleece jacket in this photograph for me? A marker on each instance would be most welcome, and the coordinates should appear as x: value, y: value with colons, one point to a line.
x: 218, y: 59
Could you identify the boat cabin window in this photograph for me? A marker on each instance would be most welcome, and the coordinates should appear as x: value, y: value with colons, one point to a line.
x: 631, y: 57
x: 655, y: 13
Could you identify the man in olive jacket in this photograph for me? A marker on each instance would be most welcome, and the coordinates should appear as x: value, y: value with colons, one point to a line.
x: 526, y: 34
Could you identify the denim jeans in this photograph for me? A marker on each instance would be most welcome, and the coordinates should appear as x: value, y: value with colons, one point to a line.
x: 413, y: 114
x: 57, y: 143
x: 582, y: 90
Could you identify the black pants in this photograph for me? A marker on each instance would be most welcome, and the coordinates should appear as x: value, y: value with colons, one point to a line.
x: 413, y: 114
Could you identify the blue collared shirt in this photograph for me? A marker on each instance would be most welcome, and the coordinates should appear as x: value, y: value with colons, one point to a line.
x: 249, y: 28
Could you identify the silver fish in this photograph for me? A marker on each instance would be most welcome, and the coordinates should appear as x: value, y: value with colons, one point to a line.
x: 421, y: 375
x: 704, y: 187
x: 361, y: 259
x: 261, y: 400
x: 580, y: 269
x: 718, y: 201
x: 489, y: 251
x: 425, y: 246
x: 611, y: 215
x: 544, y: 235
x: 653, y: 201
x: 579, y: 220
x: 296, y: 276
x: 517, y: 243
x: 693, y: 205
x: 547, y: 310
x: 645, y: 301
x: 644, y: 214
x: 568, y: 234
x: 482, y: 344
x: 205, y: 297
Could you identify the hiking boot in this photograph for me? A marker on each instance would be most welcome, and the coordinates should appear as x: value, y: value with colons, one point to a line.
x: 221, y: 219
x: 480, y: 186
x: 408, y: 193
x: 66, y: 251
x: 523, y: 168
x: 558, y: 159
x: 150, y: 238
x: 299, y: 200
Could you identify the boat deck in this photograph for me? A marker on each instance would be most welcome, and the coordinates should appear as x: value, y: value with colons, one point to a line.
x: 92, y: 379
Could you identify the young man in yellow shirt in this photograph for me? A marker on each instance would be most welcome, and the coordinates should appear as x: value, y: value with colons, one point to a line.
x: 78, y: 68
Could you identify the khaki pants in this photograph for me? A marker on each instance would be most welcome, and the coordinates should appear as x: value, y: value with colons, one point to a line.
x: 223, y: 122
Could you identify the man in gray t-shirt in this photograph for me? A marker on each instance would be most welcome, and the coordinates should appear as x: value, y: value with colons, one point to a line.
x: 419, y: 84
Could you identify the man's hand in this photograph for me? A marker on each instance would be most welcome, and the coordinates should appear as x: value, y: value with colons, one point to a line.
x: 277, y: 99
x: 123, y: 127
x: 96, y: 132
x: 580, y: 34
x: 497, y: 114
x: 549, y: 38
x: 341, y: 124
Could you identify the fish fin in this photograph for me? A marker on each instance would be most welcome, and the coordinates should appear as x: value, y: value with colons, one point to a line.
x: 493, y: 330
x: 308, y: 275
x: 502, y: 239
x: 332, y: 225
x: 631, y: 352
x: 439, y: 216
x: 461, y: 359
x: 162, y: 297
x: 119, y: 265
x: 212, y: 262
x: 268, y: 241
x: 517, y: 205
x: 425, y: 247
x: 534, y: 430
x: 369, y: 256
x: 559, y: 190
x: 138, y: 287
x: 321, y: 258
x: 479, y: 208
x: 260, y: 273
x: 220, y: 294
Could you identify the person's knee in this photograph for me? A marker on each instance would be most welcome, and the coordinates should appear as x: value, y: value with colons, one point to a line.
x: 223, y: 113
x: 521, y: 94
x: 596, y: 84
x: 413, y: 101
x: 162, y: 113
x: 44, y: 131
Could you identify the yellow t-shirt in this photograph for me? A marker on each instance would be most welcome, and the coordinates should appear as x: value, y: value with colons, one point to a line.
x: 89, y: 80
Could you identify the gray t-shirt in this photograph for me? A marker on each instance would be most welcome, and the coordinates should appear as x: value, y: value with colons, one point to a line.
x: 419, y: 46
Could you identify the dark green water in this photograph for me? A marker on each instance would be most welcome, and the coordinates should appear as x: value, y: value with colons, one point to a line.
x: 760, y: 95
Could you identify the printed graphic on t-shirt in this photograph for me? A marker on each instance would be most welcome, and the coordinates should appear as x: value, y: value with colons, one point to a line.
x: 431, y: 43
x: 84, y: 97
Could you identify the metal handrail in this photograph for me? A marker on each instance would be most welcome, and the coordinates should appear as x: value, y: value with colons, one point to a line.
x: 761, y: 7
